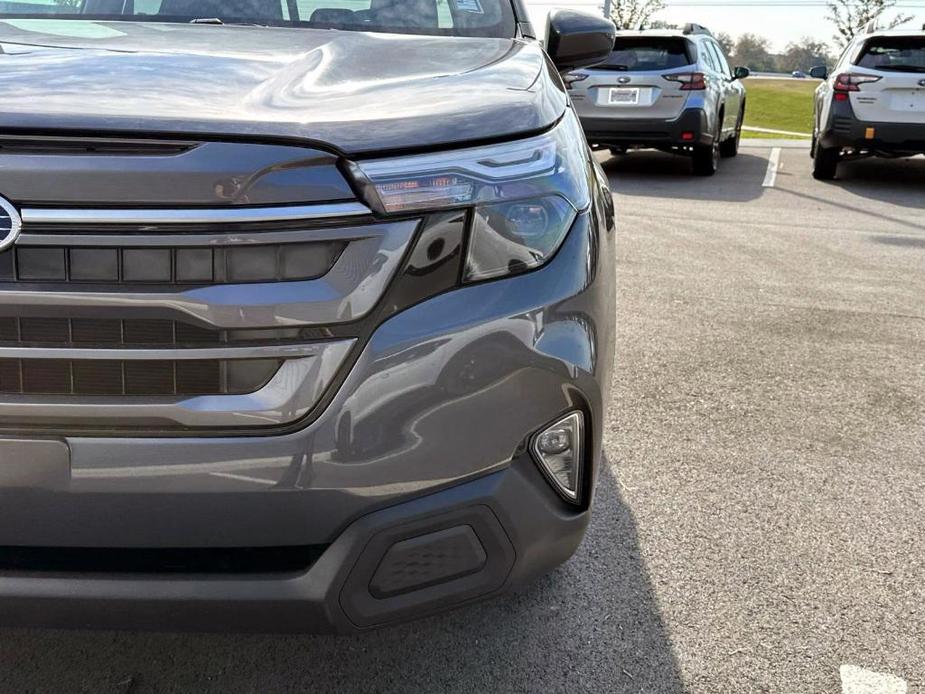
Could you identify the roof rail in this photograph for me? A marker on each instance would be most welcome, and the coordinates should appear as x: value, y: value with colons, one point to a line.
x: 691, y: 28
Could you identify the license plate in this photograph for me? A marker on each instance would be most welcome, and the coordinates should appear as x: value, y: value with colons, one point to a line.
x: 624, y: 96
x: 909, y: 100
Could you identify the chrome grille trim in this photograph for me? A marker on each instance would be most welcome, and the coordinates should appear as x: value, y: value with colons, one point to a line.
x: 182, y: 239
x: 193, y: 215
x: 191, y: 354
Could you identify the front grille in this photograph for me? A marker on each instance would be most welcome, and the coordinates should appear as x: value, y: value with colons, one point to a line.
x: 175, y: 266
x: 135, y: 377
x: 189, y: 319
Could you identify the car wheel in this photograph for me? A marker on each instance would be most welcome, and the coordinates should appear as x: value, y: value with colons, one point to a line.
x: 825, y: 163
x: 706, y: 157
x: 730, y: 147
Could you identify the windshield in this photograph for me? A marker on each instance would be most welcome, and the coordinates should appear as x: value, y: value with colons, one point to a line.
x: 900, y: 54
x: 486, y: 18
x: 647, y: 53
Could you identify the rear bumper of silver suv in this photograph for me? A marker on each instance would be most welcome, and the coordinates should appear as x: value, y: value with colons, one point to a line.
x: 647, y: 132
x: 419, y: 398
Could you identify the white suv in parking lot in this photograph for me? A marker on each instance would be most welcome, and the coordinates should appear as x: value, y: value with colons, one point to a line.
x: 873, y: 103
x: 668, y: 90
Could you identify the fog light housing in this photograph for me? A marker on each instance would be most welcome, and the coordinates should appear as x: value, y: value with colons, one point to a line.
x: 559, y: 452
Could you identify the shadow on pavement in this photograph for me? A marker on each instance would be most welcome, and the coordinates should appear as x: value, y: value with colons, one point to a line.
x: 593, y: 625
x: 895, y: 181
x: 652, y: 173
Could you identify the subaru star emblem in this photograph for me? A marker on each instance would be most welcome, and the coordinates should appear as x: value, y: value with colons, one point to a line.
x: 922, y: 83
x: 10, y: 224
x: 623, y: 80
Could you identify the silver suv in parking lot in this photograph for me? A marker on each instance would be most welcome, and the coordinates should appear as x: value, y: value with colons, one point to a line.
x: 873, y: 103
x: 669, y: 90
x: 270, y: 360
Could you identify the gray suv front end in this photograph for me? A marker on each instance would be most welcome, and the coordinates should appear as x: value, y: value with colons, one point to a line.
x: 257, y: 382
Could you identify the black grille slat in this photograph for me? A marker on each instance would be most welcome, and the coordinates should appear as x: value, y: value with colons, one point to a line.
x: 150, y: 378
x: 98, y: 377
x: 44, y: 331
x: 9, y: 330
x: 142, y: 378
x: 157, y: 333
x: 96, y: 331
x: 198, y: 377
x: 41, y: 264
x: 10, y: 373
x: 290, y: 262
x: 46, y: 376
x: 133, y: 332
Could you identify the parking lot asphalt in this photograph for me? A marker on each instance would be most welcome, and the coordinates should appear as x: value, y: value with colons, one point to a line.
x: 760, y: 523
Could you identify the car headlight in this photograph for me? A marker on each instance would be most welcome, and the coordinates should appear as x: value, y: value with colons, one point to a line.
x: 524, y: 194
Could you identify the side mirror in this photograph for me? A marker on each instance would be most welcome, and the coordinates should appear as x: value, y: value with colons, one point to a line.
x: 740, y: 73
x: 577, y: 39
x: 820, y: 72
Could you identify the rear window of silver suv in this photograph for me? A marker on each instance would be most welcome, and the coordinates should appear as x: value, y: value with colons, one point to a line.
x: 642, y: 53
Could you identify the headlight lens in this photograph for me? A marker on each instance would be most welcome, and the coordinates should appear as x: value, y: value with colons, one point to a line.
x: 524, y: 194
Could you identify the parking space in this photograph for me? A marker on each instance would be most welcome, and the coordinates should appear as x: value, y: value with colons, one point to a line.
x: 760, y: 522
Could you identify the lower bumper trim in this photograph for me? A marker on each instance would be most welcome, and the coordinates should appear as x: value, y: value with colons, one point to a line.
x: 623, y: 132
x: 849, y: 132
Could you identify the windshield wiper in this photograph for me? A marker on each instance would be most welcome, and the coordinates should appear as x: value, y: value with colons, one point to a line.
x: 219, y: 22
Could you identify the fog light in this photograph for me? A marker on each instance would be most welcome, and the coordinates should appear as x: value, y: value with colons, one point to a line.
x: 558, y: 450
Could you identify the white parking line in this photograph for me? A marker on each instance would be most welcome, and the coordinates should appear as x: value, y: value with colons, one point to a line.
x: 857, y: 680
x: 770, y: 178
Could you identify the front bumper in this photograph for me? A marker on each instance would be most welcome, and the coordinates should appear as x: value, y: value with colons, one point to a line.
x: 523, y: 527
x: 427, y: 432
x: 643, y: 132
x: 846, y: 131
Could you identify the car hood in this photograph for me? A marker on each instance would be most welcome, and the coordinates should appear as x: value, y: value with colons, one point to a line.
x: 356, y: 92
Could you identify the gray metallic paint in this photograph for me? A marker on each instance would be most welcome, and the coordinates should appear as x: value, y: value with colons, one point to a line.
x: 419, y: 412
x: 276, y: 83
x: 435, y: 413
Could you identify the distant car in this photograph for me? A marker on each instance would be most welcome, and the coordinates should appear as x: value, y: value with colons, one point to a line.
x: 798, y: 74
x: 873, y: 102
x: 668, y: 90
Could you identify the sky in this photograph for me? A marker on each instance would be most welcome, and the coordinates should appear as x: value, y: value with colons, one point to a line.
x: 780, y: 21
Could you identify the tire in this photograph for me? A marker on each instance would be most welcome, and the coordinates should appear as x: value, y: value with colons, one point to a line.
x: 730, y: 147
x: 706, y: 157
x: 825, y: 163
